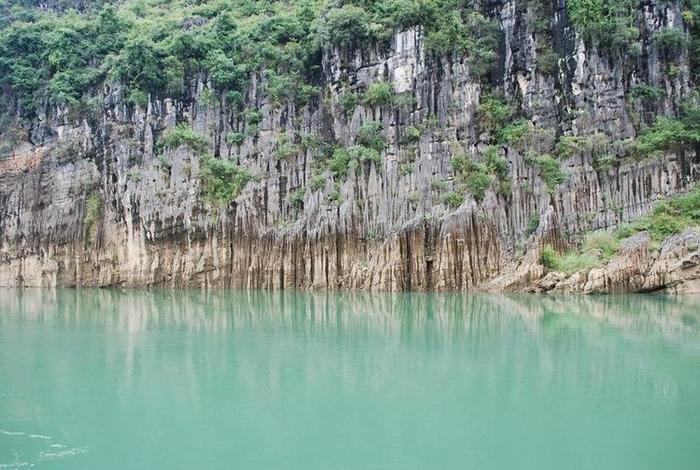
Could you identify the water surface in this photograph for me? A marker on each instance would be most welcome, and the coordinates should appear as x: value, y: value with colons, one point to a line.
x: 267, y: 380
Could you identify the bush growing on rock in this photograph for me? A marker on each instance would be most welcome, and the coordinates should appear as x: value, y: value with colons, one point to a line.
x: 184, y: 135
x: 379, y: 94
x: 222, y: 181
x: 370, y: 135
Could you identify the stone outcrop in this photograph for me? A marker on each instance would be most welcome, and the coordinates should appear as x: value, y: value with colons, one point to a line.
x: 385, y: 228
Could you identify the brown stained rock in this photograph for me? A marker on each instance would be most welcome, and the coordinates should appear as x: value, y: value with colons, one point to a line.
x: 388, y: 230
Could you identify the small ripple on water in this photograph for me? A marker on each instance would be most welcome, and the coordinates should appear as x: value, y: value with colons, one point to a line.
x: 57, y: 451
x: 61, y: 454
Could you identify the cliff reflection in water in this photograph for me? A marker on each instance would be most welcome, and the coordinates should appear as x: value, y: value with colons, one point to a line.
x: 258, y: 377
x: 443, y: 317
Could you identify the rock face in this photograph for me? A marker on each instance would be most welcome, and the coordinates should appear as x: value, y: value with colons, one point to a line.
x: 637, y: 267
x: 92, y: 202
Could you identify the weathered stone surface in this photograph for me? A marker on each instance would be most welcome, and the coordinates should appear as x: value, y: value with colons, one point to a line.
x: 389, y: 231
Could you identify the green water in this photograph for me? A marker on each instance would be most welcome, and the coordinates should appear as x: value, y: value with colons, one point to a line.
x: 127, y: 380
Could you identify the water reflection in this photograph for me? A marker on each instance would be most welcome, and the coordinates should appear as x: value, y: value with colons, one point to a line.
x: 448, y: 316
x: 136, y: 378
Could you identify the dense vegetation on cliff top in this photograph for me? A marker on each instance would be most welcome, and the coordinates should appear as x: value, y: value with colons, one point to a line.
x: 156, y: 46
x: 151, y: 49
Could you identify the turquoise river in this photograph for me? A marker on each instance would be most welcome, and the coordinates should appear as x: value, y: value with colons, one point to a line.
x: 110, y: 379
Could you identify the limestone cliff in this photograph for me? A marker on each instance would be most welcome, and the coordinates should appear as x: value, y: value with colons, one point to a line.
x: 96, y: 199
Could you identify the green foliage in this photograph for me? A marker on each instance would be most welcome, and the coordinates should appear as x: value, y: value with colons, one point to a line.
x: 348, y: 102
x: 602, y: 244
x: 478, y: 182
x: 184, y: 135
x: 438, y: 184
x: 471, y: 34
x: 494, y: 113
x: 134, y: 175
x: 598, y: 145
x: 93, y: 208
x: 296, y: 198
x: 668, y: 218
x: 604, y: 162
x: 93, y: 213
x: 365, y: 154
x: 339, y: 162
x: 452, y: 199
x: 406, y: 169
x: 235, y: 139
x: 668, y: 134
x: 379, y: 94
x: 670, y: 41
x: 604, y: 22
x: 550, y: 171
x: 285, y: 149
x: 155, y: 49
x: 598, y: 248
x: 514, y: 132
x: 413, y: 198
x: 344, y: 25
x: 644, y: 91
x: 370, y: 135
x: 549, y: 258
x: 222, y: 181
x: 317, y: 182
x: 335, y: 197
x: 411, y: 135
x: 572, y: 262
x: 533, y: 224
x: 477, y: 177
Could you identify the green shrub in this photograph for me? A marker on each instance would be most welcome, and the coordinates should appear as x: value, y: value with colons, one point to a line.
x: 666, y: 134
x: 604, y: 162
x: 370, y: 135
x: 404, y: 100
x: 341, y: 26
x: 365, y: 154
x: 285, y: 148
x: 184, y: 135
x: 572, y: 262
x: 406, y: 169
x: 222, y: 181
x: 514, y: 132
x: 411, y: 135
x: 670, y: 41
x: 452, y: 199
x: 348, y: 102
x: 668, y: 217
x: 478, y: 182
x: 532, y: 225
x: 644, y: 91
x: 253, y: 117
x: 335, y: 197
x: 338, y: 164
x: 494, y: 113
x: 602, y: 244
x: 604, y: 22
x: 438, y: 184
x: 379, y: 94
x: 317, y: 182
x: 549, y: 258
x: 477, y: 177
x: 472, y: 34
x: 296, y: 198
x: 235, y: 139
x: 550, y: 171
x: 413, y: 198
